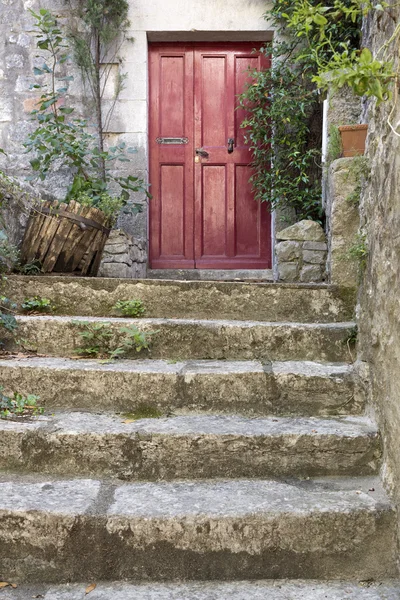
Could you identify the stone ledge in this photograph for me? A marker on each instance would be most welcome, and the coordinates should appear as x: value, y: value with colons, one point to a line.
x: 244, y: 387
x: 190, y: 447
x: 175, y: 531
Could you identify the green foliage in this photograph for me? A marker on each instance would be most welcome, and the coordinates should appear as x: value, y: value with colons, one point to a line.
x: 31, y: 268
x: 339, y: 61
x: 100, y: 341
x: 351, y: 339
x: 283, y: 128
x: 359, y: 170
x: 9, y: 254
x: 359, y: 251
x: 37, y: 305
x: 18, y: 405
x: 61, y: 138
x: 334, y: 144
x: 129, y: 308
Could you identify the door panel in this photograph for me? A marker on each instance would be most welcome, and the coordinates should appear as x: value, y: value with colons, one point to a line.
x: 171, y: 165
x: 203, y: 213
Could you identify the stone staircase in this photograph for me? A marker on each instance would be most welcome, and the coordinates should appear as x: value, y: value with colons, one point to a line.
x: 262, y: 467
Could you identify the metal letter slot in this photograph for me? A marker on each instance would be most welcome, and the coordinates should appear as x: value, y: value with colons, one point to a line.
x: 171, y: 140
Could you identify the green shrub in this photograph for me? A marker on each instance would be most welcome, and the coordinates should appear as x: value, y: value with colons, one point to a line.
x: 129, y: 308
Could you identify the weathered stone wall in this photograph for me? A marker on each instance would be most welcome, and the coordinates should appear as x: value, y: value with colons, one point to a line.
x: 379, y: 309
x: 343, y: 223
x: 123, y: 256
x: 301, y: 253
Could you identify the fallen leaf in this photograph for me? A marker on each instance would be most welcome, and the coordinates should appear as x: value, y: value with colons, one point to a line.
x: 90, y: 588
x: 14, y: 585
x: 127, y: 421
x: 4, y: 584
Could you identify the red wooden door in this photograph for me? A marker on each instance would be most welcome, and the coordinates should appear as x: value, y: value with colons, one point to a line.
x: 203, y: 213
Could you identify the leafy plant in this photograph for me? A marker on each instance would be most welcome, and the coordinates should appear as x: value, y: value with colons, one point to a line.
x: 359, y: 169
x: 31, y: 268
x: 283, y: 129
x: 7, y: 311
x: 18, y: 405
x: 129, y: 308
x: 339, y: 62
x: 61, y: 139
x: 334, y: 144
x: 359, y: 251
x: 37, y: 305
x: 100, y: 341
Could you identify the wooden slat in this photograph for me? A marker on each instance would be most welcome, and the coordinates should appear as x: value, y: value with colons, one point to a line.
x: 60, y: 235
x: 32, y: 236
x: 48, y: 231
x: 78, y: 237
x: 96, y: 263
x: 95, y: 245
x: 64, y: 256
x: 86, y: 240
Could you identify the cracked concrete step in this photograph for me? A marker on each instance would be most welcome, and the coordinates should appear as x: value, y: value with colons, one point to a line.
x: 189, y: 447
x: 190, y: 299
x: 240, y: 590
x: 82, y: 530
x: 199, y: 339
x: 242, y: 387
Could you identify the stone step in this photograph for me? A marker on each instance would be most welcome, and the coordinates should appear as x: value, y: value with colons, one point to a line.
x: 189, y: 447
x: 241, y: 387
x: 240, y: 590
x: 82, y: 530
x: 190, y: 299
x: 199, y: 339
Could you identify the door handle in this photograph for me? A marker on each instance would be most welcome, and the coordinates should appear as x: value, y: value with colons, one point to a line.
x: 201, y: 152
x: 231, y: 141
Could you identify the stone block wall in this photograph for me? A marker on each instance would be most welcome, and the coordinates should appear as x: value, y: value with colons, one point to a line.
x: 124, y: 257
x: 301, y: 252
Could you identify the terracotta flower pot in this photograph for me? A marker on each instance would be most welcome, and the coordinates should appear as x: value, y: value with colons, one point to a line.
x: 353, y: 139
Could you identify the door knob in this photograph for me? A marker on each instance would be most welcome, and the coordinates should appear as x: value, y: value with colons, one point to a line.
x: 201, y: 152
x: 231, y: 141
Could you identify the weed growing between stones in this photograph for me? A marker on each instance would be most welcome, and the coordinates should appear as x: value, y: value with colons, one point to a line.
x: 19, y: 406
x: 359, y: 170
x: 143, y: 411
x: 100, y: 341
x: 359, y: 252
x: 37, y: 305
x: 335, y: 144
x: 129, y: 308
x: 351, y: 340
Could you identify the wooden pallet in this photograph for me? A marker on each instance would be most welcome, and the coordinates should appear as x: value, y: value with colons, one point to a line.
x: 65, y: 238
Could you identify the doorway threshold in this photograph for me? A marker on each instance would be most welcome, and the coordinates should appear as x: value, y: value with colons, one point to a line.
x: 212, y: 274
